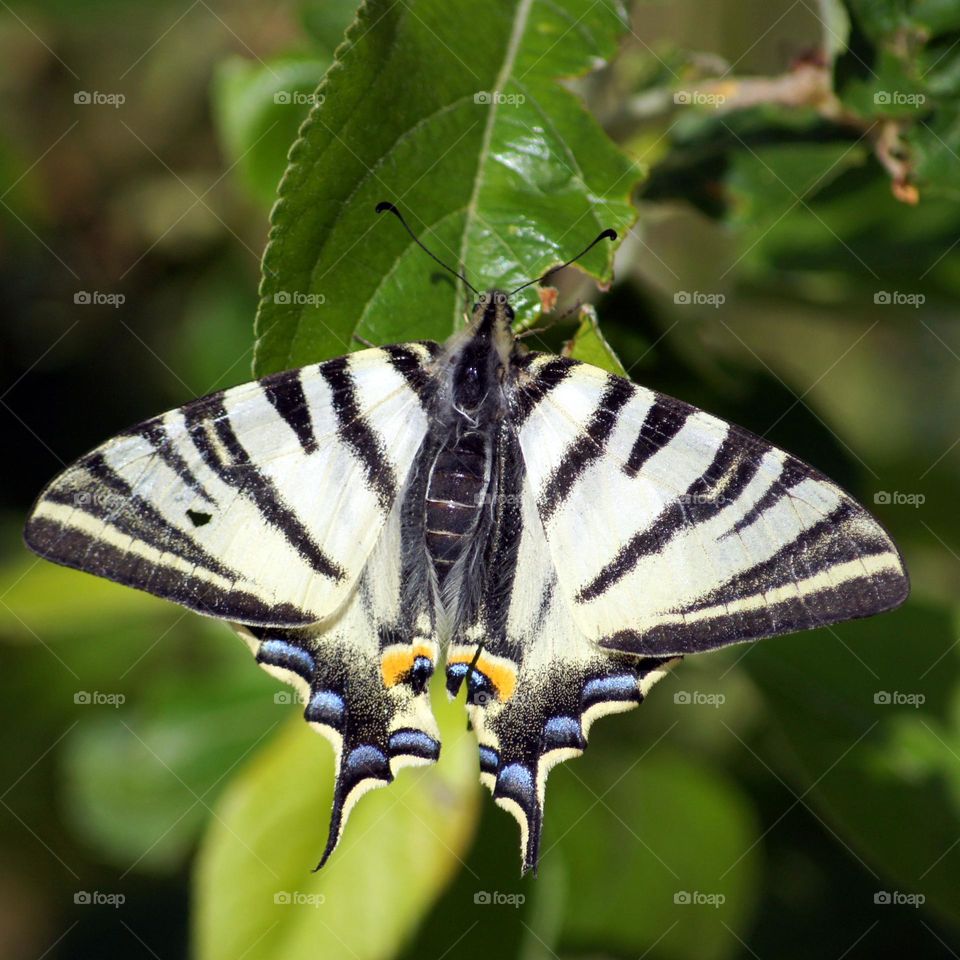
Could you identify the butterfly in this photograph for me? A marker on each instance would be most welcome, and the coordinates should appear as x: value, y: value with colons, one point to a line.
x: 561, y: 535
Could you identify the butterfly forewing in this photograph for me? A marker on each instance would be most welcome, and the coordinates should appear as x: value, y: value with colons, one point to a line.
x: 259, y: 504
x: 674, y: 532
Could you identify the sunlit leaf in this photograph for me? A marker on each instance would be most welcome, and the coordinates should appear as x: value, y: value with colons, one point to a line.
x: 495, y: 163
x: 255, y: 894
x: 588, y: 344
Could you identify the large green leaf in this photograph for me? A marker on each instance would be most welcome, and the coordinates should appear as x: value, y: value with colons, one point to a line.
x: 870, y: 712
x: 255, y: 894
x: 469, y: 132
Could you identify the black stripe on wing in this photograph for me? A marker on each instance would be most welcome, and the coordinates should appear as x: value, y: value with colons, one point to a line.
x: 239, y: 471
x: 110, y: 499
x: 663, y: 421
x: 586, y: 448
x: 155, y: 432
x: 285, y: 393
x: 357, y: 433
x: 733, y: 467
x: 533, y: 388
x: 713, y: 620
x: 75, y: 548
x: 409, y: 366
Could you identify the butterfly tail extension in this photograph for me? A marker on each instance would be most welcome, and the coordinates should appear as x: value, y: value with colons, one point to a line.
x: 529, y: 720
x: 371, y: 704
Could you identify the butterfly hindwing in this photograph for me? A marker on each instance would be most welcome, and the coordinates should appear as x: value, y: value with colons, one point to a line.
x: 363, y: 677
x: 674, y: 532
x: 258, y: 504
x: 534, y: 681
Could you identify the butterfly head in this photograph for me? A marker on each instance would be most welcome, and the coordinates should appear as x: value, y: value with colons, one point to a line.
x: 492, y: 314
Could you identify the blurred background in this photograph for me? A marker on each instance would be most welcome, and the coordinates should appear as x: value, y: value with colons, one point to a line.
x: 795, y: 270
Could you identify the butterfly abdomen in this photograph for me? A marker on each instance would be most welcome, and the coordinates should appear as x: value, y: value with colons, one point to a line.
x: 456, y: 492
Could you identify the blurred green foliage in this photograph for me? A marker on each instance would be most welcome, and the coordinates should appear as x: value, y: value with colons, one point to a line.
x: 795, y: 270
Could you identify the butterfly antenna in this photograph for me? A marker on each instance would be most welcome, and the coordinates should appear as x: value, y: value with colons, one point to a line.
x: 385, y: 205
x: 606, y: 235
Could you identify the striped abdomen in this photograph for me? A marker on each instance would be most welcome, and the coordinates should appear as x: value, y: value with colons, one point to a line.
x: 455, y: 496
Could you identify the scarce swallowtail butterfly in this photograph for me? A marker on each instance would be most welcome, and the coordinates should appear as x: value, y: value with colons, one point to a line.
x: 560, y: 535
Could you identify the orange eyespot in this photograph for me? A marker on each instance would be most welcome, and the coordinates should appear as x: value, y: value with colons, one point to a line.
x: 397, y: 662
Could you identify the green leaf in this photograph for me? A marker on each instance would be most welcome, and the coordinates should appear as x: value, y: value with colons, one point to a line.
x: 401, y: 847
x: 680, y: 839
x: 258, y: 109
x: 875, y: 735
x: 469, y: 132
x: 589, y: 345
x: 935, y: 145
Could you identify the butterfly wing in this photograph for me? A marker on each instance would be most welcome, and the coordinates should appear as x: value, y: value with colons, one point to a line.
x: 631, y: 529
x: 277, y: 505
x: 674, y: 532
x: 258, y: 504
